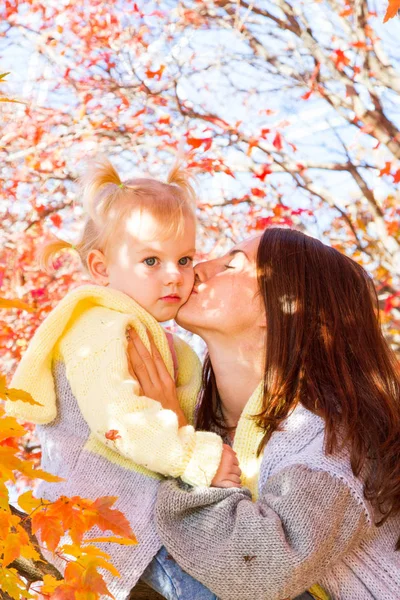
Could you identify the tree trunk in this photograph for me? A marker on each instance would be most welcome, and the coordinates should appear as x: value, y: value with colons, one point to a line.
x: 142, y: 591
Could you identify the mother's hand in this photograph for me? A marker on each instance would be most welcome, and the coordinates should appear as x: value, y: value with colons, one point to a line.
x: 152, y: 374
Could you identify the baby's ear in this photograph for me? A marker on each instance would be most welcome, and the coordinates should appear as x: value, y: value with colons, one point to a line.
x: 97, y: 267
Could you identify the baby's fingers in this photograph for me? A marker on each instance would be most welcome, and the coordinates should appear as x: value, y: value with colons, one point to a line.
x: 235, y: 470
x: 230, y: 483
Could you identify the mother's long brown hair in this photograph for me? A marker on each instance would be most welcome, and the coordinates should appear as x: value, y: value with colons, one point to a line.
x: 325, y: 349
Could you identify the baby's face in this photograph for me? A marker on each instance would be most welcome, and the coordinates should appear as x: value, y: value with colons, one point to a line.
x: 157, y: 273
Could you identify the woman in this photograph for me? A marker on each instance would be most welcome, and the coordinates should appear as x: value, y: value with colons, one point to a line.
x: 317, y: 440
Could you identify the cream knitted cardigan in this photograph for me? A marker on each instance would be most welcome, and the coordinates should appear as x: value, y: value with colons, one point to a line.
x: 86, y: 332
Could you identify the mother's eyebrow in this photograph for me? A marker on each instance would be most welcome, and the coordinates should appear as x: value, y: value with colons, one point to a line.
x: 236, y: 251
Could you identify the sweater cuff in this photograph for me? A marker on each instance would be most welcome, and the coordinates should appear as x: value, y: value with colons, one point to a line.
x: 205, y: 459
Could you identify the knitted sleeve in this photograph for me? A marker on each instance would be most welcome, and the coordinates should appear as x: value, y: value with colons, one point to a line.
x: 110, y: 400
x: 274, y: 548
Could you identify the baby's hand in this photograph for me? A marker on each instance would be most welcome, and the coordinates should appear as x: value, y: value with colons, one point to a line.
x: 228, y: 474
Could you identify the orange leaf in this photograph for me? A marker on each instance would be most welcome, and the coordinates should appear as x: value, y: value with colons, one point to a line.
x: 9, y: 427
x: 111, y: 519
x: 94, y: 581
x: 11, y: 549
x: 386, y: 169
x: 6, y: 303
x: 360, y: 44
x: 151, y: 74
x: 392, y: 9
x: 50, y: 529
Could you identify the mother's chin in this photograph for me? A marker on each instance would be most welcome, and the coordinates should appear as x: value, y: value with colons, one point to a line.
x: 189, y: 314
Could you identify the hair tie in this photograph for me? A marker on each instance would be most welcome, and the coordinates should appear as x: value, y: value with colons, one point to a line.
x: 120, y: 185
x: 73, y: 247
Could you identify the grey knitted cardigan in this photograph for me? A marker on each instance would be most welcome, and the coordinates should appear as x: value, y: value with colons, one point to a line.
x: 310, y: 524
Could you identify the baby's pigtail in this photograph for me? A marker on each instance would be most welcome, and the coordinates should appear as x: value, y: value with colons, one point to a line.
x: 47, y: 254
x: 183, y: 178
x: 99, y: 186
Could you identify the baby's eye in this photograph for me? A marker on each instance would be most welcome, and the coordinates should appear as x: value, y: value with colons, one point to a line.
x: 185, y: 261
x: 150, y: 262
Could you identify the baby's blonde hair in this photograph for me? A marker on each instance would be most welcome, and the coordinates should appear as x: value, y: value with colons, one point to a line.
x: 107, y: 200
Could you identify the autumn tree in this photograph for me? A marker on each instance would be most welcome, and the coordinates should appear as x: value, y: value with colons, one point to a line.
x: 288, y: 110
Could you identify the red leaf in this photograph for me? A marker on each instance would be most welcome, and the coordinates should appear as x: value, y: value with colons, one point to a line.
x: 307, y: 95
x: 56, y: 219
x: 265, y: 171
x: 258, y: 193
x: 340, y: 59
x: 165, y: 120
x: 261, y: 224
x: 139, y: 112
x: 112, y: 434
x: 396, y: 176
x: 197, y: 142
x: 277, y: 143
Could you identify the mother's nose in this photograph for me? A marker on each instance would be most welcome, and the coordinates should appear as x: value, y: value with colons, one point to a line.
x: 204, y: 270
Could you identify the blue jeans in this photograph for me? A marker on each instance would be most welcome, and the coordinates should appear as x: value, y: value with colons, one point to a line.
x: 165, y: 576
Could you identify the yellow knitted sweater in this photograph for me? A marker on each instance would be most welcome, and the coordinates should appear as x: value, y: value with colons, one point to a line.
x: 86, y: 331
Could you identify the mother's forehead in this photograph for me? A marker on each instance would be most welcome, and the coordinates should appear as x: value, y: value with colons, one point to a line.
x: 249, y: 244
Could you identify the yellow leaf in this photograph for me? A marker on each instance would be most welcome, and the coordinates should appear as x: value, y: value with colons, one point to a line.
x: 9, y: 428
x: 15, y: 395
x: 28, y: 503
x: 101, y: 562
x: 11, y: 584
x: 10, y: 100
x: 116, y: 540
x: 77, y: 551
x: 27, y: 469
x: 50, y: 584
x: 29, y: 552
x: 15, y: 303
